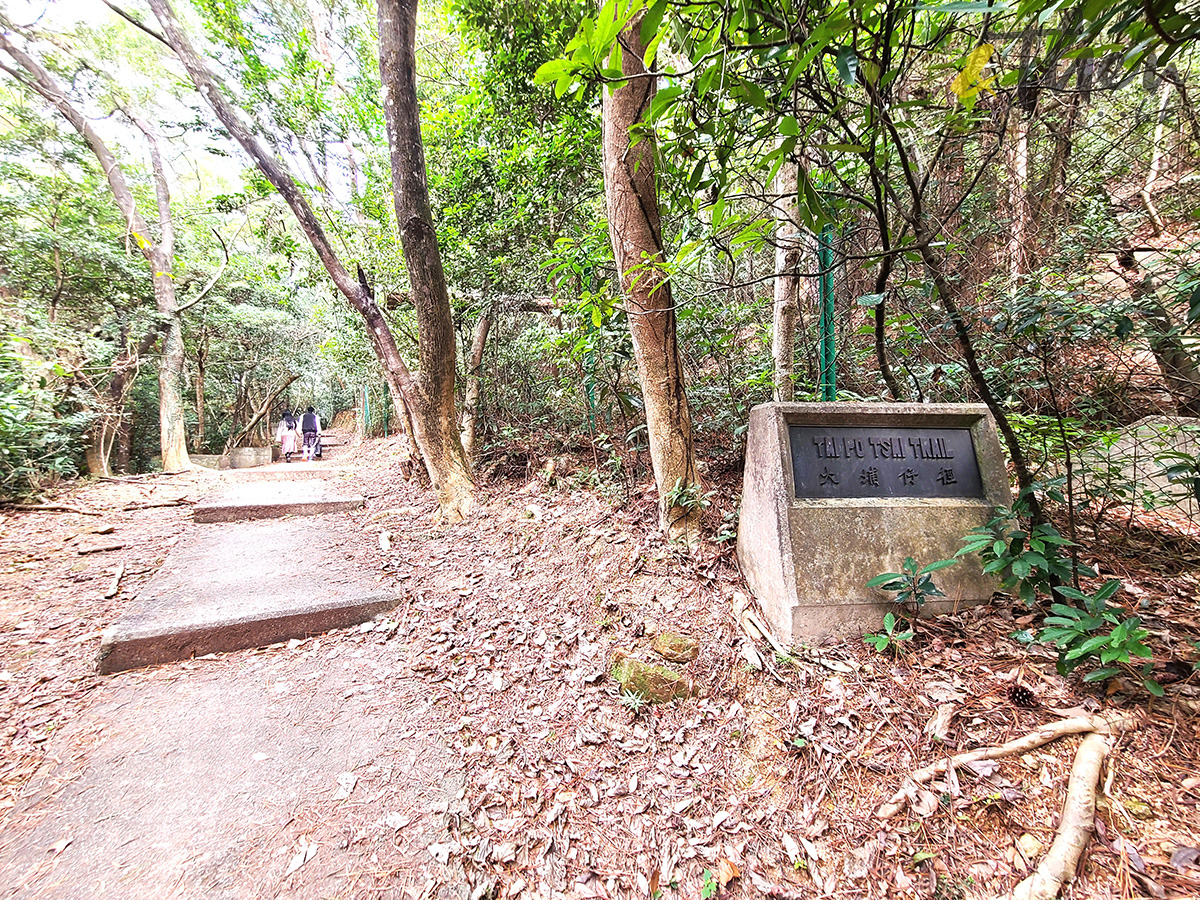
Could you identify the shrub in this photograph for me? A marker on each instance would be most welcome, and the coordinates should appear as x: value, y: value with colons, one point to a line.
x: 36, y: 442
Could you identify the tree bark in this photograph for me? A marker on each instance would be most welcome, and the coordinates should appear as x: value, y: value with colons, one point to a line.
x: 634, y: 229
x: 201, y: 360
x: 1179, y: 368
x: 1052, y: 192
x: 433, y: 399
x: 788, y: 246
x: 1156, y: 222
x: 1017, y: 153
x: 471, y: 401
x: 159, y: 255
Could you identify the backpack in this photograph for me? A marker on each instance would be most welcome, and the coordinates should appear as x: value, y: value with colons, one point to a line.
x: 310, y: 422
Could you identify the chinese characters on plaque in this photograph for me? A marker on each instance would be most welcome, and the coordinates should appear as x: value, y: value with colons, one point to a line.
x: 883, y: 462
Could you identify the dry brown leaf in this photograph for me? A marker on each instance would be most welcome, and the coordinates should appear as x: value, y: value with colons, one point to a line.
x: 791, y: 847
x: 726, y: 872
x: 307, y: 850
x: 938, y: 726
x: 924, y: 803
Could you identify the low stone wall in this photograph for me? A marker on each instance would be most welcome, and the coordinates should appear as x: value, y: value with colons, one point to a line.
x: 249, y: 457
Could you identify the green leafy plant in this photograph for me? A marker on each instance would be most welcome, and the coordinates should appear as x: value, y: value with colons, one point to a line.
x: 710, y: 886
x: 1182, y: 469
x: 1098, y: 632
x: 632, y: 701
x: 913, y: 586
x: 891, y: 636
x: 1029, y: 561
x: 686, y: 495
x: 727, y: 531
x: 36, y: 441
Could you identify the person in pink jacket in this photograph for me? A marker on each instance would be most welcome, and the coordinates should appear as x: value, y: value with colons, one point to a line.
x: 287, y: 435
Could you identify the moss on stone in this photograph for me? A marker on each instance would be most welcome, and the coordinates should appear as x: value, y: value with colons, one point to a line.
x: 654, y: 684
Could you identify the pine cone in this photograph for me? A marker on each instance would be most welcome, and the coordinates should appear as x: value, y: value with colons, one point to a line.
x: 1021, y: 696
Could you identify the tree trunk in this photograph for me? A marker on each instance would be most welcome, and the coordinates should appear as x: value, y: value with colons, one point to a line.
x: 471, y: 401
x: 1051, y: 202
x: 201, y: 358
x: 1156, y: 222
x: 107, y: 426
x: 433, y: 399
x: 634, y: 229
x: 172, y: 434
x: 788, y: 246
x: 99, y: 446
x: 124, y: 447
x: 1179, y: 369
x: 947, y: 292
x: 159, y: 256
x: 1017, y: 153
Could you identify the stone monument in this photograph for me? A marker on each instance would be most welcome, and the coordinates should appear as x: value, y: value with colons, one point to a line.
x: 837, y: 493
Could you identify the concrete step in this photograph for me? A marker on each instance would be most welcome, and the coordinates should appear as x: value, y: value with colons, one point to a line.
x: 274, y: 499
x: 246, y: 585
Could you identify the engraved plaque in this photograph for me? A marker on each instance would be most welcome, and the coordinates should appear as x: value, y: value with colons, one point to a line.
x: 843, y: 462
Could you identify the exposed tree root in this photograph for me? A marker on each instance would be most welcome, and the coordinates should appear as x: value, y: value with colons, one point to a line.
x: 1079, y: 725
x: 1074, y: 828
x: 50, y: 507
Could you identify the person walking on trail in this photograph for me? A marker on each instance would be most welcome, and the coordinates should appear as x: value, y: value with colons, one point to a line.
x: 288, y: 435
x: 310, y: 424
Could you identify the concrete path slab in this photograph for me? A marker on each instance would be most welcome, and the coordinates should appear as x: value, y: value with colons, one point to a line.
x: 262, y: 499
x: 201, y: 783
x: 247, y: 584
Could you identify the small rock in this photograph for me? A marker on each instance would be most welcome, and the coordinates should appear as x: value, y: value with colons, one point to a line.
x: 1139, y: 809
x: 676, y: 647
x: 1030, y: 847
x: 655, y: 684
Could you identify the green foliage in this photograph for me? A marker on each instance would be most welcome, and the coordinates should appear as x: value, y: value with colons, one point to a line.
x: 891, y: 636
x: 632, y: 701
x: 687, y: 496
x: 710, y: 887
x: 913, y: 586
x: 1036, y: 565
x: 1030, y: 562
x: 1097, y: 633
x: 37, y: 441
x: 1181, y: 469
x: 727, y: 530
